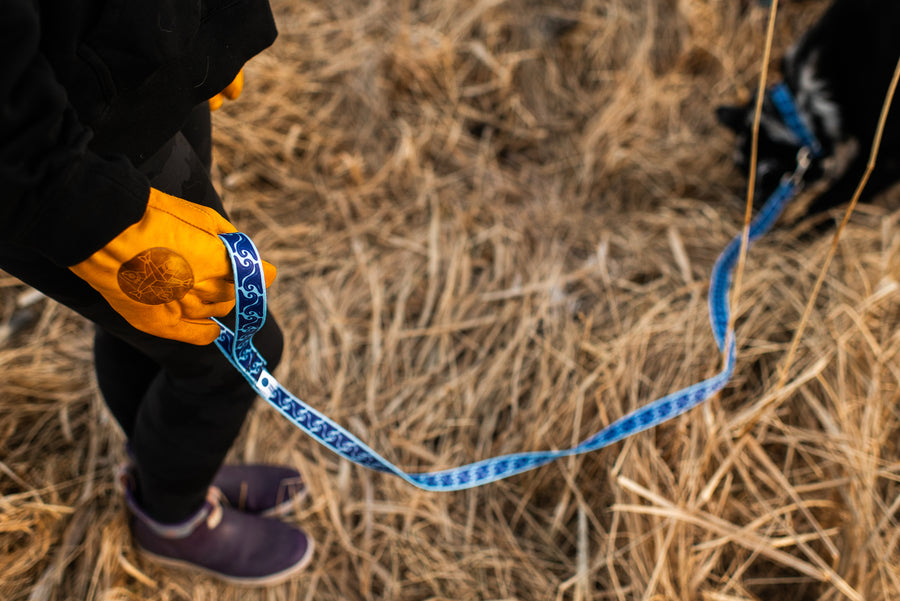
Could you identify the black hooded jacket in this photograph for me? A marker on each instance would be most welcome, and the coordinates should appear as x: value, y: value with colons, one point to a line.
x: 88, y: 89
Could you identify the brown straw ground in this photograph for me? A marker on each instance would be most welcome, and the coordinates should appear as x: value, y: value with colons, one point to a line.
x: 494, y: 224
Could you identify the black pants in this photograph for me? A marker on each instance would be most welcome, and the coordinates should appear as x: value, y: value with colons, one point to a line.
x: 180, y: 405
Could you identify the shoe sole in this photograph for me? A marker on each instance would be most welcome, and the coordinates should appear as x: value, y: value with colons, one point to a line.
x: 269, y: 580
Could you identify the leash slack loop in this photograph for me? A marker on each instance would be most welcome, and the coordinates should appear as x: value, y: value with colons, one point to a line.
x: 250, y: 293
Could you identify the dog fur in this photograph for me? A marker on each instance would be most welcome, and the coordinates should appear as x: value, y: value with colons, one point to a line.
x: 839, y: 73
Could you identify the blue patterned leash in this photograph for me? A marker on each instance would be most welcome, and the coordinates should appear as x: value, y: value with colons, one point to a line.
x: 783, y: 99
x: 250, y: 308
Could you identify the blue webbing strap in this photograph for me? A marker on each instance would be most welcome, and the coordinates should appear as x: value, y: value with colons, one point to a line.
x: 784, y: 101
x: 251, y: 313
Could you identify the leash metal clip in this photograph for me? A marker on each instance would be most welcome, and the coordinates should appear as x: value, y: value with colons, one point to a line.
x: 804, y: 160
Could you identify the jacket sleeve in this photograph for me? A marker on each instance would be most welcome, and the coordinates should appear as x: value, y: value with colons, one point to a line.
x: 56, y: 195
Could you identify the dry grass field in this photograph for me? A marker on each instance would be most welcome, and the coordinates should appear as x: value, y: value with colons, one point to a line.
x: 494, y: 223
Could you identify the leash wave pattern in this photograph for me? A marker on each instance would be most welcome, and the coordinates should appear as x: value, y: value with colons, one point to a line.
x: 238, y: 347
x: 250, y: 293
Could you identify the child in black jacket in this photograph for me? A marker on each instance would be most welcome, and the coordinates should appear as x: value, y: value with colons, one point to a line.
x: 103, y: 103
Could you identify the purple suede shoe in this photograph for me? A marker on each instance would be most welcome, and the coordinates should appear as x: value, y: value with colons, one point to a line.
x: 259, y: 489
x: 236, y: 547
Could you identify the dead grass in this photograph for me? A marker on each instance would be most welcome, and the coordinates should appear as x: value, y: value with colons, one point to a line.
x: 494, y: 223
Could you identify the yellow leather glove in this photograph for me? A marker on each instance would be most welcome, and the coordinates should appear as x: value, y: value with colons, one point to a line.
x: 169, y: 272
x: 231, y: 92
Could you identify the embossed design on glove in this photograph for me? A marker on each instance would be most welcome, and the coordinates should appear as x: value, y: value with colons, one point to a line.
x: 169, y: 273
x: 156, y: 276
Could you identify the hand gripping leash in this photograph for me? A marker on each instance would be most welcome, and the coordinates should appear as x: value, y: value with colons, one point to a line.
x: 250, y: 289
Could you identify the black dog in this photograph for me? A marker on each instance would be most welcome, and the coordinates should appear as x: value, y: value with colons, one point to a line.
x: 839, y: 73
